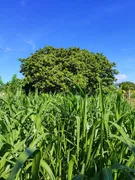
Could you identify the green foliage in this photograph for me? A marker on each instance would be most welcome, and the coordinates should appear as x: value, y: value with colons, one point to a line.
x: 59, y: 69
x: 14, y: 85
x: 2, y: 85
x: 133, y: 94
x: 127, y: 85
x: 64, y: 137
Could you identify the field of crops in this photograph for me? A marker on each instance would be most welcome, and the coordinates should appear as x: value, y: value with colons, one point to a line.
x: 64, y: 137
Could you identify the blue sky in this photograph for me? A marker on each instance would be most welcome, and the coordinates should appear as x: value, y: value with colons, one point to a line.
x: 106, y: 26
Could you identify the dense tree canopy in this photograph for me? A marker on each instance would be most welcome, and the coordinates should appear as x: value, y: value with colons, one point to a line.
x: 59, y: 69
x: 127, y: 85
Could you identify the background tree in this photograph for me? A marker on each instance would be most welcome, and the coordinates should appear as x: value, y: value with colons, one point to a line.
x: 58, y: 69
x: 14, y: 84
x: 127, y: 85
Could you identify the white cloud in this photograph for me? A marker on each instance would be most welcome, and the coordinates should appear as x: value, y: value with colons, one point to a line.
x: 31, y: 43
x: 6, y: 49
x: 28, y: 41
x: 121, y: 78
x: 127, y: 50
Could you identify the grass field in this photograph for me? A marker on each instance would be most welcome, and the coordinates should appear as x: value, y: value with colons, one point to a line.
x: 64, y: 137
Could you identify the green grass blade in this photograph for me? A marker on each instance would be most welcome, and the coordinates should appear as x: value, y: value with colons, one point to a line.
x: 46, y: 167
x: 70, y: 169
x: 36, y: 164
x: 107, y: 174
x: 122, y: 167
x: 90, y: 145
x: 20, y: 162
x: 125, y: 137
x: 78, y: 134
x: 80, y: 177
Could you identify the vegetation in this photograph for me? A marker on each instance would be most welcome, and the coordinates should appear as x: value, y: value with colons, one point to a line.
x: 127, y: 85
x: 59, y: 137
x: 11, y: 86
x: 70, y: 134
x: 1, y: 85
x: 128, y: 90
x: 57, y: 69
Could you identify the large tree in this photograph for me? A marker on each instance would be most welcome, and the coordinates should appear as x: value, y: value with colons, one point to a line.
x: 59, y: 69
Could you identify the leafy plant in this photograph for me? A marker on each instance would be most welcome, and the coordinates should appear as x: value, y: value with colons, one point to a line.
x: 66, y: 136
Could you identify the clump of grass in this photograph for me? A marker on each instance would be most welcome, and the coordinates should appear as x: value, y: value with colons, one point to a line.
x: 56, y: 136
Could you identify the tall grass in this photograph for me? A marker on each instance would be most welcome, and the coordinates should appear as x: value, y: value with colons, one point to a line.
x: 64, y: 137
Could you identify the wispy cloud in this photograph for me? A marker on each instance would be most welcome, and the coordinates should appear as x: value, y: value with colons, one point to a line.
x: 31, y: 43
x: 7, y: 49
x: 28, y: 41
x: 121, y: 77
x: 127, y: 50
